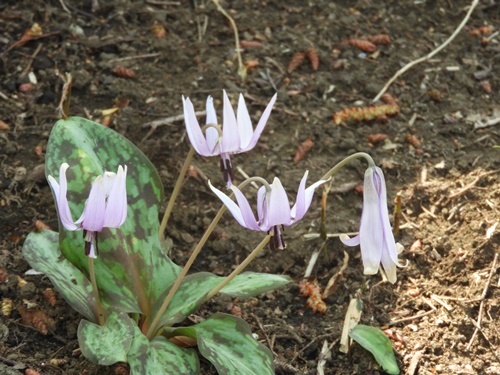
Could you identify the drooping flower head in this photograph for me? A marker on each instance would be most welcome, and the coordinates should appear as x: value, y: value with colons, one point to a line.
x: 236, y: 136
x: 273, y: 208
x: 378, y: 245
x: 106, y: 206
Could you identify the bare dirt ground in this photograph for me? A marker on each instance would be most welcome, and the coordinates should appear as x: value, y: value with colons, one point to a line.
x: 443, y: 312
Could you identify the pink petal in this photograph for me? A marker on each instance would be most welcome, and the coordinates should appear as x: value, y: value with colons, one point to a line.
x: 279, y: 206
x: 193, y: 130
x: 116, y: 207
x: 95, y: 207
x: 229, y: 203
x: 262, y: 123
x: 230, y: 131
x: 244, y: 124
x: 261, y: 205
x: 211, y: 134
x: 246, y: 210
x: 354, y: 241
x: 60, y: 192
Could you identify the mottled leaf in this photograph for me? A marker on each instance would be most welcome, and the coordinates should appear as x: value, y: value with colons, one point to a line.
x: 377, y: 343
x: 191, y: 293
x: 160, y: 356
x: 249, y: 284
x: 108, y: 344
x: 227, y: 342
x: 132, y: 269
x: 41, y: 250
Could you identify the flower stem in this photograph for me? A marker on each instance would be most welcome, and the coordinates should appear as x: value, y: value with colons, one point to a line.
x: 100, y: 311
x: 348, y: 159
x: 175, y: 193
x: 240, y: 268
x: 187, y: 266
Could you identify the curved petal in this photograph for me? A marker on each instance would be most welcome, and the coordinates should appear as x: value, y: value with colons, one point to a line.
x: 229, y: 203
x: 211, y: 134
x: 261, y: 205
x: 389, y: 267
x: 279, y: 206
x: 349, y: 241
x: 60, y: 192
x: 379, y: 183
x: 193, y: 130
x: 230, y: 131
x: 116, y: 206
x: 304, y: 198
x: 244, y: 124
x: 95, y: 207
x: 371, y: 230
x: 261, y: 124
x: 246, y: 210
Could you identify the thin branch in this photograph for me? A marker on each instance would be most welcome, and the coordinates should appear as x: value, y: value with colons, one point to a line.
x: 430, y: 55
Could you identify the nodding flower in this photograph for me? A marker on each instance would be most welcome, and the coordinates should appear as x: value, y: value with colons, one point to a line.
x: 375, y: 237
x: 236, y: 135
x: 106, y: 206
x: 273, y: 208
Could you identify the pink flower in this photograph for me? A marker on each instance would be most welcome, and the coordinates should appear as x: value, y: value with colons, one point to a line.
x: 273, y: 208
x: 378, y: 245
x: 106, y: 206
x: 237, y: 134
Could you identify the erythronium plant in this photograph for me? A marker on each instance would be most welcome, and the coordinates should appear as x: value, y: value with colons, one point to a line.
x: 122, y: 291
x: 133, y: 297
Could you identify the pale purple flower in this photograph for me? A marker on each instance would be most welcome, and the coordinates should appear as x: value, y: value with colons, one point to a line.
x: 237, y: 134
x: 273, y: 208
x: 375, y: 234
x: 106, y: 206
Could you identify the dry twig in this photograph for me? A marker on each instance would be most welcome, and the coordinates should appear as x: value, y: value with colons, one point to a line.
x: 430, y: 55
x: 481, y: 306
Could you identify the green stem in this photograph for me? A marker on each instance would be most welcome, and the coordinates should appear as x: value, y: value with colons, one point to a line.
x: 175, y: 193
x: 151, y: 328
x: 175, y: 287
x: 240, y: 268
x: 100, y: 311
x: 348, y: 159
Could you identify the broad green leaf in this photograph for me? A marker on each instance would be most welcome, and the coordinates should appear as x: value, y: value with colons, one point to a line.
x: 41, y: 250
x: 227, y: 342
x: 160, y: 356
x: 132, y: 269
x: 108, y: 344
x: 191, y: 293
x: 249, y: 284
x: 377, y: 343
x: 188, y: 297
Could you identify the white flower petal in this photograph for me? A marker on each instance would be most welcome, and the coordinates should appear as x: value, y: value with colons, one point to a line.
x: 244, y: 124
x: 116, y: 205
x: 60, y: 191
x: 193, y: 129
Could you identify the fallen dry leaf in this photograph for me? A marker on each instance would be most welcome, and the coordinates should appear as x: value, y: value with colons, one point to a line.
x: 296, y: 61
x: 123, y: 72
x: 363, y: 45
x: 312, y: 55
x: 303, y: 149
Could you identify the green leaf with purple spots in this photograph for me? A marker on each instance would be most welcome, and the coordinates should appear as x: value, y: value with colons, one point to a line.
x: 227, y: 342
x: 41, y: 250
x: 132, y: 269
x: 193, y: 289
x: 160, y: 356
x: 108, y: 344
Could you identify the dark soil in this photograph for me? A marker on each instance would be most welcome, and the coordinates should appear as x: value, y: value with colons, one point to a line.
x: 436, y: 155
